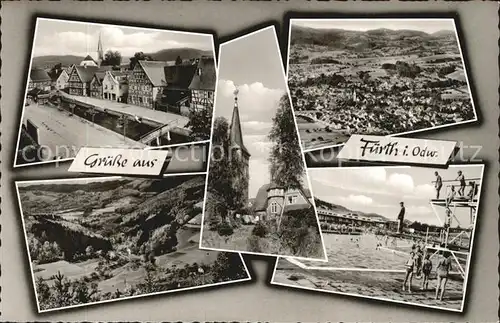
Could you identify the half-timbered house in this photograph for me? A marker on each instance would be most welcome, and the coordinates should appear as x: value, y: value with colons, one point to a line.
x: 146, y: 83
x: 203, y: 84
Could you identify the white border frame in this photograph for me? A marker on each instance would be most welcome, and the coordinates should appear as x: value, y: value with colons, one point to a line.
x: 38, y: 19
x: 287, y: 92
x: 459, y: 45
x: 249, y: 277
x: 469, y: 257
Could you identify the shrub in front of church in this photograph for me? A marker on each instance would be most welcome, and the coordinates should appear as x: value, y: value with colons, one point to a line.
x: 260, y: 230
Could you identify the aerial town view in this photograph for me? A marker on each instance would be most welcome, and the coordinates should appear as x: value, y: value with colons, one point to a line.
x: 375, y: 76
x: 93, y: 240
x: 401, y: 234
x: 114, y: 86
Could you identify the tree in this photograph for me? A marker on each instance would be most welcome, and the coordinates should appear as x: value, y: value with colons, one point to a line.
x: 139, y: 56
x: 220, y: 182
x: 112, y: 58
x: 286, y: 163
x: 178, y: 60
x: 200, y: 123
x: 55, y: 70
x: 228, y: 266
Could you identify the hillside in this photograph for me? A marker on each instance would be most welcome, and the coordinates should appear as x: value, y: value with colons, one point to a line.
x: 162, y: 55
x: 131, y: 213
x: 185, y: 53
x: 369, y: 40
x: 342, y: 209
x: 51, y: 60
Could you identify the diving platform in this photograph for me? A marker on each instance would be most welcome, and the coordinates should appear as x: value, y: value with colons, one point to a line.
x: 460, y: 202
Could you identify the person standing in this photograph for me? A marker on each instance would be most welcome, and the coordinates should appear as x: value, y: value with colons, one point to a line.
x: 426, y: 270
x: 461, y: 179
x: 410, y: 266
x: 401, y: 217
x: 443, y: 270
x: 451, y: 196
x: 438, y: 184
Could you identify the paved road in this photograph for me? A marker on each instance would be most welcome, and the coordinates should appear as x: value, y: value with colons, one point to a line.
x: 64, y: 135
x: 133, y: 110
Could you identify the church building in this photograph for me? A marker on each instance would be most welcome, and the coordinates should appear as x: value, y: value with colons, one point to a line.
x: 237, y: 146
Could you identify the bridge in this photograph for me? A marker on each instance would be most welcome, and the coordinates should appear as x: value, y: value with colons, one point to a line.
x: 151, y: 117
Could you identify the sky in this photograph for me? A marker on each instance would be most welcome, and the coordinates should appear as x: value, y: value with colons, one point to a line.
x: 60, y: 37
x: 253, y: 64
x: 425, y: 25
x: 380, y: 189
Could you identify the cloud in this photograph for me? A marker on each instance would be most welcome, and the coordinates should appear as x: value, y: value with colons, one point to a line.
x: 360, y: 199
x: 256, y: 102
x: 424, y: 191
x: 401, y: 182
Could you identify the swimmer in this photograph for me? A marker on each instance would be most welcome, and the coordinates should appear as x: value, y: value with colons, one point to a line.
x: 443, y: 271
x: 426, y: 270
x: 410, y: 265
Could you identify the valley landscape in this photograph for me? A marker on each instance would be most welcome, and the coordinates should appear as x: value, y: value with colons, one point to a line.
x: 379, y: 81
x: 101, y: 239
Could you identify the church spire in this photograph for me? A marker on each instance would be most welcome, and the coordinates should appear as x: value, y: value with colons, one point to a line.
x: 100, y: 53
x: 235, y: 134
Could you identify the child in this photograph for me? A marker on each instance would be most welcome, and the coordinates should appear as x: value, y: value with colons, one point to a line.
x: 418, y: 260
x: 410, y: 265
x: 426, y: 270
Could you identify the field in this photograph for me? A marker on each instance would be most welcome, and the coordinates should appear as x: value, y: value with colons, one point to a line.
x: 348, y: 253
x: 376, y: 82
x: 101, y: 240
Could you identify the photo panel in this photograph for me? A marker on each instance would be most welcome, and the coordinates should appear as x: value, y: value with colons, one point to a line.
x: 258, y: 192
x: 103, y: 239
x: 375, y: 76
x: 107, y: 85
x: 393, y: 234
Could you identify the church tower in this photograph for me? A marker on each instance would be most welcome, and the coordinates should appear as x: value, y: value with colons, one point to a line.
x: 100, y: 53
x: 237, y: 146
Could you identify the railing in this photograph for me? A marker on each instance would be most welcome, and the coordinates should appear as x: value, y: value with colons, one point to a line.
x: 158, y: 131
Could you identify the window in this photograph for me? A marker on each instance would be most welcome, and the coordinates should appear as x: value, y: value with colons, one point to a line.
x: 274, y: 207
x: 112, y: 87
x: 292, y: 199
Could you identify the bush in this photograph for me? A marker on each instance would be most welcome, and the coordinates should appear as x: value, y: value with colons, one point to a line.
x: 228, y: 266
x: 260, y: 230
x: 299, y: 233
x: 225, y: 230
x: 254, y: 244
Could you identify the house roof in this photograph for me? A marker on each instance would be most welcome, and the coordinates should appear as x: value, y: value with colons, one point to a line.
x: 39, y: 75
x: 58, y: 74
x: 206, y: 80
x: 86, y: 73
x: 89, y: 58
x: 179, y: 76
x: 298, y: 206
x: 37, y: 92
x: 260, y: 203
x: 155, y: 71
